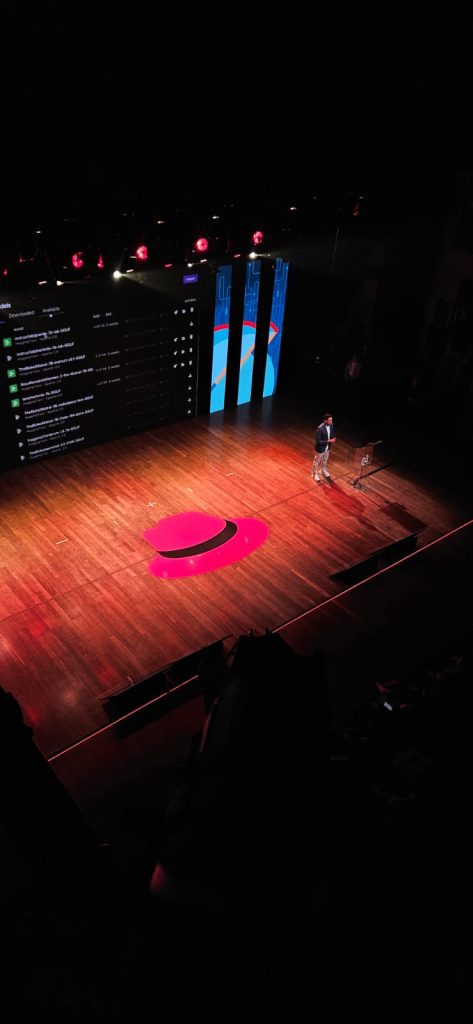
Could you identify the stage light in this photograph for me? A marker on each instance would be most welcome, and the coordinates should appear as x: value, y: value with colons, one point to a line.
x: 141, y: 253
x: 59, y: 283
x: 116, y: 274
x: 252, y: 256
x: 100, y: 262
x: 77, y: 260
x: 201, y: 245
x: 257, y: 237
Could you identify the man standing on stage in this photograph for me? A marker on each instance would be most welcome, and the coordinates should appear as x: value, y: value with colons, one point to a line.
x: 324, y: 437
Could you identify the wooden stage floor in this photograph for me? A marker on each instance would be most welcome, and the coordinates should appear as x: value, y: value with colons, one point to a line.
x: 80, y: 613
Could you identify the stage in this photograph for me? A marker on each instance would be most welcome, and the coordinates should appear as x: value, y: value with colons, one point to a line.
x: 81, y: 615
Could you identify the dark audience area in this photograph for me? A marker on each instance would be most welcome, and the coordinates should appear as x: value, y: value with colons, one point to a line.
x: 302, y: 863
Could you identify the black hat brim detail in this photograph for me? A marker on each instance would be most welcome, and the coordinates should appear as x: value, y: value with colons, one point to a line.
x: 229, y: 531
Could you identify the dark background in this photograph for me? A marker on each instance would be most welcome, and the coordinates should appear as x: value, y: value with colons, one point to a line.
x: 108, y: 111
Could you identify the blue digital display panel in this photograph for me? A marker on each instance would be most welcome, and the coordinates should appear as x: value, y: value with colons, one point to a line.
x: 275, y: 327
x: 248, y: 333
x: 223, y: 286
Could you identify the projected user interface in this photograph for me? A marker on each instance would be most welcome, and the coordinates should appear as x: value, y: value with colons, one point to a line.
x: 94, y: 362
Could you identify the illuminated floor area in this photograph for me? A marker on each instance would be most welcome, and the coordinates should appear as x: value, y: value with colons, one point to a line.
x: 81, y: 615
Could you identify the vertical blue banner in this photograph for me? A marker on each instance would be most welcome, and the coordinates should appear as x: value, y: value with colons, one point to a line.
x: 223, y: 288
x: 248, y: 332
x: 275, y: 327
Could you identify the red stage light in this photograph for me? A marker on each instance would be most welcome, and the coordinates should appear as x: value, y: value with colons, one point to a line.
x: 141, y: 253
x: 201, y: 245
x: 77, y: 260
x: 100, y: 262
x: 257, y: 237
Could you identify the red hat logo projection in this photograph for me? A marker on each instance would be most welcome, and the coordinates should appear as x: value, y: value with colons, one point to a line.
x: 191, y: 543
